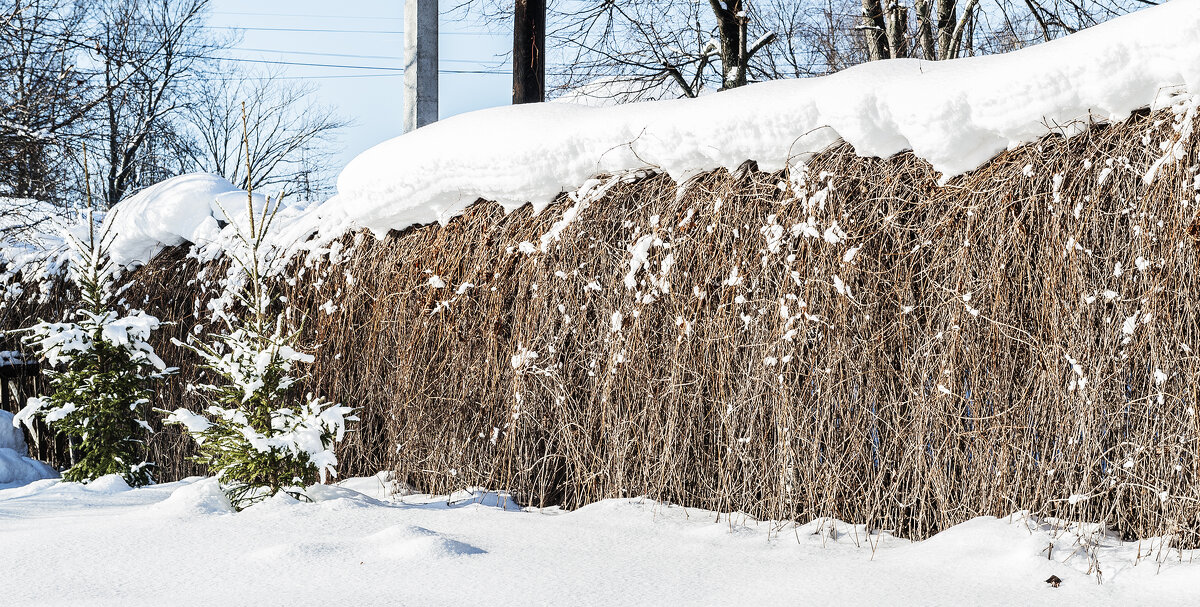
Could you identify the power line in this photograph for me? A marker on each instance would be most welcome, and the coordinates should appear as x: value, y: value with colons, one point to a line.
x: 353, y: 56
x: 354, y: 76
x: 398, y: 70
x: 371, y: 18
x: 330, y: 31
x: 350, y: 56
x: 350, y: 67
x: 300, y: 63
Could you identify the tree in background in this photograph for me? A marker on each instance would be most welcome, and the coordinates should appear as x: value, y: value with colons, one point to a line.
x: 154, y: 49
x: 101, y: 373
x: 139, y: 80
x: 650, y: 49
x: 44, y: 96
x: 686, y: 46
x: 289, y: 137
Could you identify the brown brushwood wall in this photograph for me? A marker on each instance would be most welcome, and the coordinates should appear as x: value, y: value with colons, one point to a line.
x: 935, y: 386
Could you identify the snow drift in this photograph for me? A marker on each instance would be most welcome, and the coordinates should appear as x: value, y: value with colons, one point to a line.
x: 856, y: 343
x: 188, y: 208
x: 16, y: 468
x: 347, y: 548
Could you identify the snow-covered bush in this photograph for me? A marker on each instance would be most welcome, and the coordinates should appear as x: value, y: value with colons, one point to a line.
x: 253, y: 436
x: 101, y: 370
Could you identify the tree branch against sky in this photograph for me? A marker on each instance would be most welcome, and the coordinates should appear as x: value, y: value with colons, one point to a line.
x: 133, y: 79
x: 286, y: 130
x: 151, y: 46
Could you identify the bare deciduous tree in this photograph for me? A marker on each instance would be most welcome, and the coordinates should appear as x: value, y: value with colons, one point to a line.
x: 647, y: 47
x: 42, y: 93
x: 288, y: 134
x: 150, y: 47
x: 643, y: 49
x: 140, y: 83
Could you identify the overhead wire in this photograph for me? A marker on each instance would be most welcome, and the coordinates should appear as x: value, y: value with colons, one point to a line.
x: 398, y: 70
x: 390, y: 71
x: 330, y: 30
x: 499, y: 69
x: 310, y: 16
x: 355, y: 56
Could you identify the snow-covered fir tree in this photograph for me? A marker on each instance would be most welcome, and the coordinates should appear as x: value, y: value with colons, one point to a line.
x: 255, y: 436
x: 101, y: 372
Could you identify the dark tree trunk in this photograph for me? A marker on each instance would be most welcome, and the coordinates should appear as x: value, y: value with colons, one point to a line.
x: 874, y: 28
x: 897, y: 30
x: 946, y: 16
x: 732, y: 45
x: 925, y: 29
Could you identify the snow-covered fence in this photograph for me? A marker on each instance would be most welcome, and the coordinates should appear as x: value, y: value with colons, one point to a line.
x: 853, y: 340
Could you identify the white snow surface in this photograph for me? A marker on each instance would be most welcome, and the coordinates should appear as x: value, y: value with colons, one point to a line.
x: 16, y: 468
x: 188, y: 208
x: 100, y: 544
x: 10, y: 435
x: 33, y: 235
x: 955, y: 114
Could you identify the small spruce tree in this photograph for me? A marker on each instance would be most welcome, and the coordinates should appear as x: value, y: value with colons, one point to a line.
x: 255, y: 440
x: 101, y: 372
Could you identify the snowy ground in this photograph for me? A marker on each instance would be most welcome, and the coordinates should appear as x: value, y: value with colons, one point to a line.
x: 178, y: 544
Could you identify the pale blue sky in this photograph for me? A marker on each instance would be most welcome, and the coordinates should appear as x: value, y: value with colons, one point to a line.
x: 372, y: 98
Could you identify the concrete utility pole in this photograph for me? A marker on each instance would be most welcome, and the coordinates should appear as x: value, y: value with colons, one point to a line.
x: 529, y: 56
x: 420, y: 63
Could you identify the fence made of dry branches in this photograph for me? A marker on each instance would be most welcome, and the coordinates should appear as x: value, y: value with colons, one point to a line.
x: 856, y: 342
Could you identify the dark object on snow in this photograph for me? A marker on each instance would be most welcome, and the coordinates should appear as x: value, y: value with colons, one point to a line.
x: 1054, y: 581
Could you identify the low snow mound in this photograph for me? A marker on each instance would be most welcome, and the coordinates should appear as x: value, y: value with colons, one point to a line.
x: 478, y: 496
x: 16, y: 468
x: 383, y: 486
x: 189, y: 208
x: 398, y: 542
x: 33, y: 237
x: 196, y: 497
x: 410, y: 541
x: 109, y: 484
x: 955, y: 114
x: 30, y: 224
x: 338, y: 497
x: 418, y: 552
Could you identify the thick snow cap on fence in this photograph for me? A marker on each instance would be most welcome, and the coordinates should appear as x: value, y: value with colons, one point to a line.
x: 187, y: 208
x: 954, y: 114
